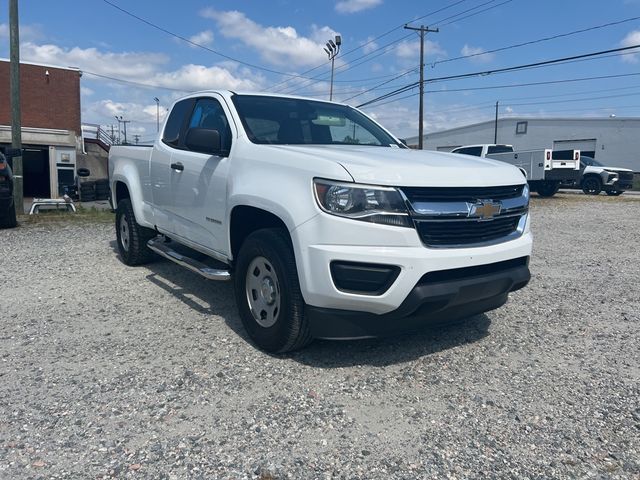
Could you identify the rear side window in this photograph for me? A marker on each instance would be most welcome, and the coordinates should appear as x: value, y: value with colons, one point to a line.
x: 475, y: 151
x: 171, y: 135
x: 500, y: 149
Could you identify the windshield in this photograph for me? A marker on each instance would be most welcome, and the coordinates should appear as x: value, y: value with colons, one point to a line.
x: 292, y: 121
x: 589, y: 162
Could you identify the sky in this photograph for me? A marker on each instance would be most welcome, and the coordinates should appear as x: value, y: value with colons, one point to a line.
x: 277, y: 46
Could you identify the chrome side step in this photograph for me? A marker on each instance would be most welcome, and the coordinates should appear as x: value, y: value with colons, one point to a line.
x: 163, y: 249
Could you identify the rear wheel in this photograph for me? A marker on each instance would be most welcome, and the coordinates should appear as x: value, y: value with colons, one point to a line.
x: 592, y: 185
x: 614, y: 193
x: 268, y: 293
x: 548, y: 188
x: 132, y: 238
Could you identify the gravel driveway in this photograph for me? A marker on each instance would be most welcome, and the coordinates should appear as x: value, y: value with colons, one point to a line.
x: 111, y: 371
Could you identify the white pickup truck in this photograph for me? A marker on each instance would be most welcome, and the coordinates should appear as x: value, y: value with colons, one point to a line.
x: 545, y: 169
x: 328, y: 226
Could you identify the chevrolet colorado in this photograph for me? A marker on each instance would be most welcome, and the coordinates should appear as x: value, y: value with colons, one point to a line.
x: 327, y: 224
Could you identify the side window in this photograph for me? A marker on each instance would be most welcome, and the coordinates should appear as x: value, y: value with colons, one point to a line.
x: 208, y: 113
x: 475, y: 151
x: 171, y: 134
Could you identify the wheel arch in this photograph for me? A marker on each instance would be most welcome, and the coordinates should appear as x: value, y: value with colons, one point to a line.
x: 246, y: 219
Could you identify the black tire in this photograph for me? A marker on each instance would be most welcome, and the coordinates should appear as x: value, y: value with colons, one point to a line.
x: 103, y: 182
x: 614, y: 193
x: 133, y: 248
x: 290, y: 330
x: 592, y: 185
x: 88, y: 197
x: 548, y: 189
x: 10, y: 220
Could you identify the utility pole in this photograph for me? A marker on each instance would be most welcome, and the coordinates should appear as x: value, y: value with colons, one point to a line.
x: 423, y: 30
x: 113, y: 133
x: 124, y: 122
x: 157, y: 100
x: 136, y: 138
x: 495, y: 127
x: 16, y: 123
x: 119, y: 119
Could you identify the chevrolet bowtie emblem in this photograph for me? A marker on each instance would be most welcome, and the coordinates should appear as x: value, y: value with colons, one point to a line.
x: 484, y: 209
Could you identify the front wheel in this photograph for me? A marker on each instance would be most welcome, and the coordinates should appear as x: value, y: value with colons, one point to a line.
x: 548, y: 188
x: 268, y: 293
x: 132, y: 238
x: 614, y: 193
x: 592, y: 186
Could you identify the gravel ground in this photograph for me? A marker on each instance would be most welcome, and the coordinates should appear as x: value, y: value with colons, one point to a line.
x: 111, y: 371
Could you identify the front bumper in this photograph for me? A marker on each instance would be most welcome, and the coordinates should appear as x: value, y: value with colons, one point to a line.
x: 326, y: 239
x: 434, y: 299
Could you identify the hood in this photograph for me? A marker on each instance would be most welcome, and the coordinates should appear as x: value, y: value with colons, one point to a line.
x: 411, y: 168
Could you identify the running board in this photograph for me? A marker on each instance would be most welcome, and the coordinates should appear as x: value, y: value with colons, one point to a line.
x: 163, y: 249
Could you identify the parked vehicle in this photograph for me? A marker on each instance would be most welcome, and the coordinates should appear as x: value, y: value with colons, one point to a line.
x: 327, y: 224
x: 543, y: 170
x: 597, y: 177
x: 7, y: 206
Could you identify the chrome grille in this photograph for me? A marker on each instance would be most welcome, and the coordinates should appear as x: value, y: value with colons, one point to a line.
x: 453, y: 217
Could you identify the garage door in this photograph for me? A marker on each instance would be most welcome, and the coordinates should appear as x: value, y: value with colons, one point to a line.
x: 587, y: 146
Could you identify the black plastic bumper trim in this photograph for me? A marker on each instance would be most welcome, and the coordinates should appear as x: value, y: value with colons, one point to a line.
x: 427, y: 303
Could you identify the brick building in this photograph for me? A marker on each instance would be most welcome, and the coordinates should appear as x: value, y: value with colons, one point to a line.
x: 51, y: 125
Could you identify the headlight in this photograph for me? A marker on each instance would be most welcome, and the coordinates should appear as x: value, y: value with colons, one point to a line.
x: 362, y: 202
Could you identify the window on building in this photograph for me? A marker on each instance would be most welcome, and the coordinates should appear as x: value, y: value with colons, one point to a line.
x: 521, y: 128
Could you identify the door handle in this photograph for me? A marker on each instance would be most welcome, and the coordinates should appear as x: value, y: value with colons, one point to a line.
x: 177, y: 166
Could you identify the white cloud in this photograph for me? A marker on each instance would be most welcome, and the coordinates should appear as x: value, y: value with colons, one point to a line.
x: 86, y: 91
x: 276, y: 45
x: 203, y: 38
x: 633, y: 38
x: 369, y: 46
x: 26, y: 33
x: 478, y: 55
x: 142, y: 67
x: 352, y: 6
x: 411, y: 50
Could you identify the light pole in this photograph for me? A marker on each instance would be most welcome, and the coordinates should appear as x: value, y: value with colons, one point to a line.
x: 119, y: 119
x: 333, y: 48
x: 157, y: 100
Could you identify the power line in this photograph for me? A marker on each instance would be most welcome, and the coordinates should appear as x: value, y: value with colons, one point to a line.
x: 540, y: 40
x: 195, y: 44
x: 453, y: 18
x: 369, y: 42
x: 499, y: 70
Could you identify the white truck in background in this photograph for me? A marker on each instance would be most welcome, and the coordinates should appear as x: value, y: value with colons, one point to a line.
x: 545, y: 169
x: 327, y: 224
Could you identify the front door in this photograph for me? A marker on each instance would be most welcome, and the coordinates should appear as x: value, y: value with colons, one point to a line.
x: 199, y: 188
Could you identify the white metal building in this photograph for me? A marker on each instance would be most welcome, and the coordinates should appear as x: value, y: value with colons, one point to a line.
x: 612, y: 141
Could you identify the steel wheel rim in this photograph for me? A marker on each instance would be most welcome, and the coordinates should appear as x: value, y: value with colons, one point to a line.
x: 124, y: 233
x: 263, y: 292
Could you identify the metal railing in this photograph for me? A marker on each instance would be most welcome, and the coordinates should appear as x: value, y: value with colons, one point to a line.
x: 97, y: 132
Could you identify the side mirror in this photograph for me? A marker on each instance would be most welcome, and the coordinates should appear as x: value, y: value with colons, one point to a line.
x: 83, y: 172
x: 204, y: 140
